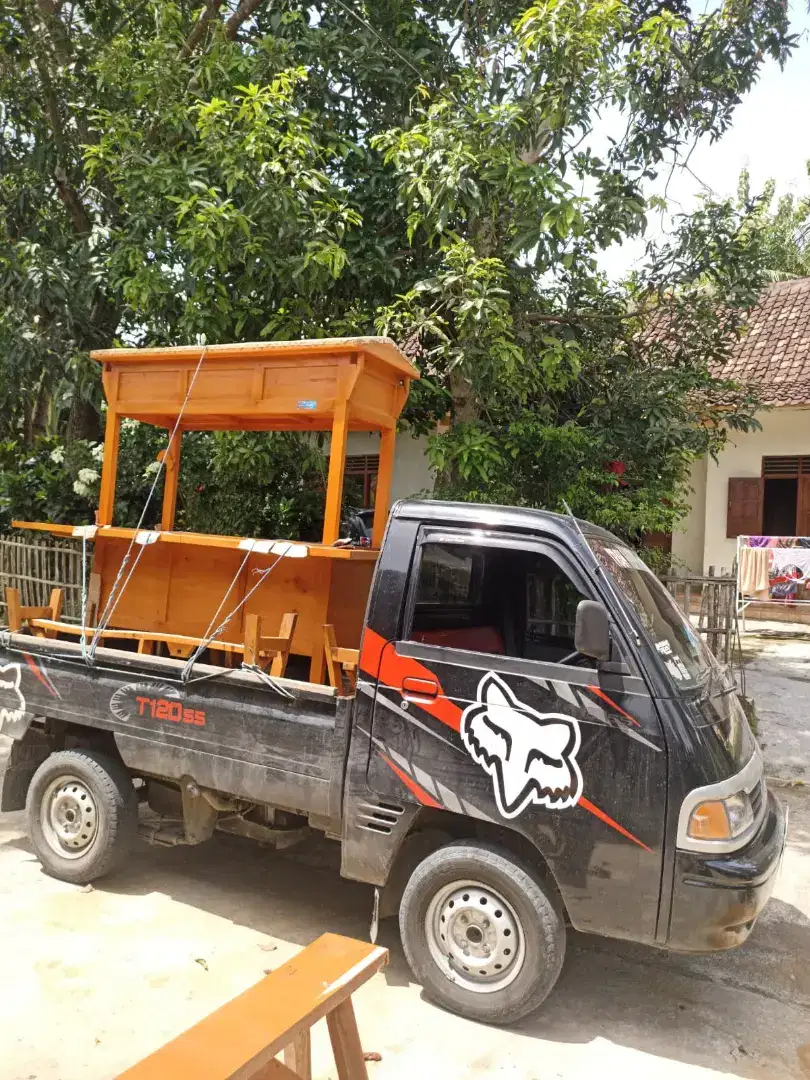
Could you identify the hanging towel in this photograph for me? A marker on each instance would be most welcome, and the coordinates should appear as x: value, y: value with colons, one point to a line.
x: 784, y: 558
x: 754, y: 565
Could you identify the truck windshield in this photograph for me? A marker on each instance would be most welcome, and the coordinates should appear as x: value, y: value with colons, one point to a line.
x: 669, y: 631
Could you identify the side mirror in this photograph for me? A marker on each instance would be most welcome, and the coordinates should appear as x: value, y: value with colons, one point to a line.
x: 592, y: 631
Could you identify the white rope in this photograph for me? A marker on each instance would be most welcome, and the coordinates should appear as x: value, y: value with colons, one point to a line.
x: 115, y: 592
x: 208, y: 636
x: 262, y: 577
x: 254, y: 669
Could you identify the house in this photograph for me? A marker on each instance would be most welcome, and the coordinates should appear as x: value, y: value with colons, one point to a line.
x: 760, y: 483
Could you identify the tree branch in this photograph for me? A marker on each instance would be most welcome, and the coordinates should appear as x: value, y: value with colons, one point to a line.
x: 243, y: 12
x: 207, y: 15
x: 72, y: 203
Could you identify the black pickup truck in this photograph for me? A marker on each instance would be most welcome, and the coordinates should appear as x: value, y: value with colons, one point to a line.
x: 538, y: 738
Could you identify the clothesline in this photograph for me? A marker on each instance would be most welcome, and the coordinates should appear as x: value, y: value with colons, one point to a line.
x: 772, y: 569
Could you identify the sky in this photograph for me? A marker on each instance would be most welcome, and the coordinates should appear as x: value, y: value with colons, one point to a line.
x: 770, y: 136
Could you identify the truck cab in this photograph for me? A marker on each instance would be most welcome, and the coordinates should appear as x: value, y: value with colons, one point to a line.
x: 526, y: 676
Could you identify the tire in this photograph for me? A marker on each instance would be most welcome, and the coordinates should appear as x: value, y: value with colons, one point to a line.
x: 82, y: 814
x: 470, y: 893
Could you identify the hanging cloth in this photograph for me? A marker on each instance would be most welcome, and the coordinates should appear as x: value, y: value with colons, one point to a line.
x: 754, y: 571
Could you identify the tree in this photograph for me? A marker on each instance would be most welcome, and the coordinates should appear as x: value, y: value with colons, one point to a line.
x: 174, y: 172
x: 784, y: 228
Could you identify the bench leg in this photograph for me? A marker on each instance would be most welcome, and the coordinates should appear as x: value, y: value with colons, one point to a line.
x: 346, y: 1044
x: 297, y: 1056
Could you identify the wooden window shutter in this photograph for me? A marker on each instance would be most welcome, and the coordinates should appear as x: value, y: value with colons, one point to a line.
x: 745, y: 496
x: 803, y: 507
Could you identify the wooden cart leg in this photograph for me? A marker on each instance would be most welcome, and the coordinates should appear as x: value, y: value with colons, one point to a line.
x: 346, y: 1044
x: 316, y: 665
x: 286, y: 631
x: 298, y: 1056
x: 252, y: 639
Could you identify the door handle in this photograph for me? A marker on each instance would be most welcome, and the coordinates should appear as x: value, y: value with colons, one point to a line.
x: 419, y: 688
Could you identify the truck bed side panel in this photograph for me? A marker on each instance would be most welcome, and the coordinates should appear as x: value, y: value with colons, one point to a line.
x: 226, y: 730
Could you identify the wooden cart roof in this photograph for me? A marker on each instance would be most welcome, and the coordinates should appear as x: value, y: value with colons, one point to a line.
x: 266, y: 385
x: 384, y: 348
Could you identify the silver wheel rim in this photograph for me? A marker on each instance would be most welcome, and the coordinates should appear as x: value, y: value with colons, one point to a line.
x: 69, y: 817
x: 475, y: 937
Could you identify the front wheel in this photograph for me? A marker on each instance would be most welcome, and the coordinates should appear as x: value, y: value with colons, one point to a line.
x: 481, y: 932
x: 82, y: 814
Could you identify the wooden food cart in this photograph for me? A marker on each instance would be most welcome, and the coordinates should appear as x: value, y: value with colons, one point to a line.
x: 175, y: 582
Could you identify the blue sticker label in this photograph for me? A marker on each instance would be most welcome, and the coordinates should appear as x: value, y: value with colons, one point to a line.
x: 308, y: 404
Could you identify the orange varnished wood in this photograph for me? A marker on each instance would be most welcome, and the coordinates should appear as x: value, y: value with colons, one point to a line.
x: 189, y: 539
x: 181, y: 643
x: 240, y: 1038
x: 298, y: 1055
x: 340, y: 662
x: 382, y: 497
x: 171, y: 467
x: 106, y: 496
x: 259, y: 647
x: 307, y: 350
x: 346, y: 1045
x: 180, y: 578
x: 39, y: 618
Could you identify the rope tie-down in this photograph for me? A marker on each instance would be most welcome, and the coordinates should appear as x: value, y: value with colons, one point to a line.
x: 140, y: 537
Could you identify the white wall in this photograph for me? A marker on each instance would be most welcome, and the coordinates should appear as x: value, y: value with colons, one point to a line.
x: 784, y: 431
x: 412, y: 474
x: 689, y: 539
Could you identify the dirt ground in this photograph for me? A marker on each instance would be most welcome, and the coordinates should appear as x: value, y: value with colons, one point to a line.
x: 93, y: 980
x: 777, y: 676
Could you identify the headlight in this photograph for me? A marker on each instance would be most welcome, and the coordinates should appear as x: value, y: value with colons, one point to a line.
x: 721, y: 819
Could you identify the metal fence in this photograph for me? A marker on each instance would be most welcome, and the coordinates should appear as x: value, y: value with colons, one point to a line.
x: 711, y: 603
x: 35, y: 565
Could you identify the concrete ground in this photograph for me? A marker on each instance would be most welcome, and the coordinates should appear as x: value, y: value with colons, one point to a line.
x: 93, y: 980
x: 777, y: 677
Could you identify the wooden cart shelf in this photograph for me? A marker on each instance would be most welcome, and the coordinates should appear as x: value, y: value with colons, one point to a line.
x: 231, y: 543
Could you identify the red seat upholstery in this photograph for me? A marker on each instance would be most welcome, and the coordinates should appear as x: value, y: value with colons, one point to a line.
x: 485, y: 639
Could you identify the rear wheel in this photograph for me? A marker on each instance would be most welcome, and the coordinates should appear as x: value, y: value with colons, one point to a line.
x: 82, y: 814
x: 482, y: 932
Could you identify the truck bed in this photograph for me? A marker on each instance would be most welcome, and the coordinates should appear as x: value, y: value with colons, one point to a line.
x: 226, y: 729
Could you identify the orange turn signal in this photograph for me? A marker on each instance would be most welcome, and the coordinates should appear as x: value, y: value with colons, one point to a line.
x: 709, y: 821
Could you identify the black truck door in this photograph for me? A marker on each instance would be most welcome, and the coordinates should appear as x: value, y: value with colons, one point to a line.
x: 484, y: 709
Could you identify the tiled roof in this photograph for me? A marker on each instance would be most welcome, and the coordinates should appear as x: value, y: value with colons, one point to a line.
x: 775, y: 353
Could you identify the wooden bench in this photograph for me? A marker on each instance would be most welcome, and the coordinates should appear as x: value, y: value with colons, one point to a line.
x: 240, y: 1041
x: 258, y: 648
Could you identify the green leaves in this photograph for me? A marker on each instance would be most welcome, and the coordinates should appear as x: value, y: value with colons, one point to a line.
x: 423, y: 169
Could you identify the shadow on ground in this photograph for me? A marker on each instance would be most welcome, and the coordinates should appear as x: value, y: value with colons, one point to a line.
x: 746, y: 1012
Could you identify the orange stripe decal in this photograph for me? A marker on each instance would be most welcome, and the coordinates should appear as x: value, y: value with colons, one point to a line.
x: 586, y: 804
x: 33, y: 666
x: 380, y: 659
x: 412, y: 786
x: 612, y: 703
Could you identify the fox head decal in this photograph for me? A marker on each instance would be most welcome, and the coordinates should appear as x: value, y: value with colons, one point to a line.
x: 12, y: 703
x: 531, y: 756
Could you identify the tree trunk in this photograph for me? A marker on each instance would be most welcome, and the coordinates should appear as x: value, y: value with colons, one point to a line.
x: 84, y: 421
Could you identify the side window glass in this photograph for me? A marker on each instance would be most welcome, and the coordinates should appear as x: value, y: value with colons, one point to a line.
x: 502, y: 601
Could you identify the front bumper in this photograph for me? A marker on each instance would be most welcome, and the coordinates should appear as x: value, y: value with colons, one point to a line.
x: 716, y: 898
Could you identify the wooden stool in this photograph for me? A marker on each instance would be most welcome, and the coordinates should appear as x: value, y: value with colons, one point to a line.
x: 241, y: 1039
x: 17, y: 614
x: 339, y: 662
x: 258, y: 646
